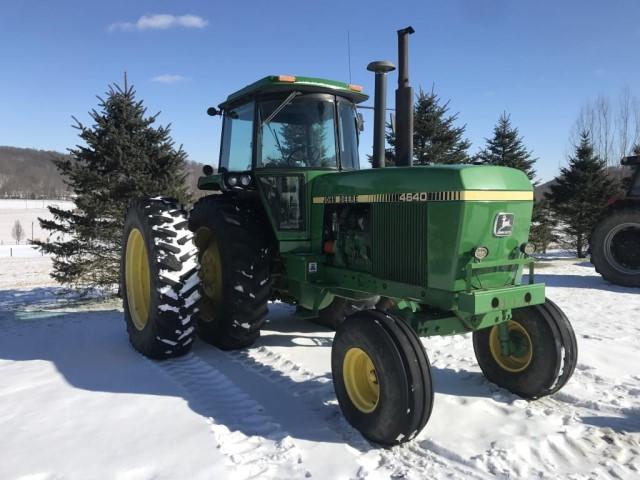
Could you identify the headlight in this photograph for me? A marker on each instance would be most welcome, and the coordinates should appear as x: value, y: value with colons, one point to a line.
x: 528, y: 248
x: 480, y: 252
x: 245, y: 180
x: 232, y: 181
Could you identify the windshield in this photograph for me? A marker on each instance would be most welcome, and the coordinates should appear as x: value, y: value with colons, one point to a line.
x: 302, y: 134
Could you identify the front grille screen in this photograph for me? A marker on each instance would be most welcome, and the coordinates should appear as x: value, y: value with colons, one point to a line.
x: 399, y: 242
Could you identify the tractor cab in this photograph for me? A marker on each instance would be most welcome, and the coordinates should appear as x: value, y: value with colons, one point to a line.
x: 281, y: 132
x: 286, y: 122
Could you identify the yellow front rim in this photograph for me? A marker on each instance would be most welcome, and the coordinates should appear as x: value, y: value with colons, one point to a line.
x: 520, y: 348
x: 137, y: 279
x: 361, y: 380
x: 210, y: 272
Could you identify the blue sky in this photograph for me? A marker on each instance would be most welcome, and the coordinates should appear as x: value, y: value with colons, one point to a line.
x: 538, y: 60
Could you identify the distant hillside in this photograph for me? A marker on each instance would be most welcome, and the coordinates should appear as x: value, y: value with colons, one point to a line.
x: 30, y: 173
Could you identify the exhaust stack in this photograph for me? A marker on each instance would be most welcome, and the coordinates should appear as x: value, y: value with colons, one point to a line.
x: 380, y: 68
x: 404, y: 103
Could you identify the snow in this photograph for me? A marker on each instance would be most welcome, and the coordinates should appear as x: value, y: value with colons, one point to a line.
x: 27, y: 212
x: 77, y: 402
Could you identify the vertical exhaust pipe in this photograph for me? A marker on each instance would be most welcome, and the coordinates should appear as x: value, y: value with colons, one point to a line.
x: 404, y: 103
x: 380, y: 68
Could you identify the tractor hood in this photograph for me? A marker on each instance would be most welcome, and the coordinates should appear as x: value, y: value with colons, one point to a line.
x: 421, y: 225
x: 458, y: 180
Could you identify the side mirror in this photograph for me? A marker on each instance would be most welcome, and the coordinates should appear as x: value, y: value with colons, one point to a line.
x: 212, y: 111
x: 360, y: 122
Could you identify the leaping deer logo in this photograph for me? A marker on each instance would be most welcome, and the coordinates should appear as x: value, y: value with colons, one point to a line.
x: 503, y: 225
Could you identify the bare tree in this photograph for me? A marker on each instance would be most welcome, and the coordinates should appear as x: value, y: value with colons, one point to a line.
x: 613, y: 126
x: 17, y: 232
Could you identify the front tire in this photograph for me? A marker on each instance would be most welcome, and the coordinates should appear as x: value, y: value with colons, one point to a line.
x: 543, y: 351
x: 159, y: 278
x: 382, y: 377
x: 615, y: 247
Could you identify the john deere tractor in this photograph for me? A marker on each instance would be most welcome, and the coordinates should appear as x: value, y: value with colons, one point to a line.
x: 615, y: 241
x: 292, y: 217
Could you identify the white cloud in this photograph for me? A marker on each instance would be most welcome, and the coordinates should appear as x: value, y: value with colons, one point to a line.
x: 168, y: 78
x: 161, y: 21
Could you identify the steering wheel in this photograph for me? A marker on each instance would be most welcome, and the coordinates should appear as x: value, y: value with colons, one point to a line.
x: 292, y: 153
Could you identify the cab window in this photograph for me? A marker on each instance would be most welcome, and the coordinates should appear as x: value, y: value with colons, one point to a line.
x: 302, y: 134
x: 237, y: 139
x: 348, y: 136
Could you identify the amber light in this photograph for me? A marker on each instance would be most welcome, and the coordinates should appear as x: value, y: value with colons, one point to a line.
x: 286, y: 78
x: 355, y: 88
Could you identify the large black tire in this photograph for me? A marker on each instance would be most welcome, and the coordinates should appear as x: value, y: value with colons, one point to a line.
x: 335, y: 313
x: 382, y: 377
x: 235, y: 282
x: 547, y: 357
x: 158, y: 278
x: 615, y: 247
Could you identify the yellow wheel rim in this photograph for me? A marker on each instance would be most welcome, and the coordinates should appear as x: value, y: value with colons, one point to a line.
x: 137, y: 279
x: 361, y: 380
x: 210, y: 271
x: 520, y: 346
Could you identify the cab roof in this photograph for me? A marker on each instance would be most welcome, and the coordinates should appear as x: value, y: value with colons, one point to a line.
x: 281, y: 83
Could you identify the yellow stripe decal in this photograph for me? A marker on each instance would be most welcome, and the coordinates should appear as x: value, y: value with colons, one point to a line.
x: 455, y: 195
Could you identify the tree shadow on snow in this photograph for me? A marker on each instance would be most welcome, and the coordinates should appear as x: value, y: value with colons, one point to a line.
x: 578, y: 281
x: 629, y: 422
x: 90, y: 349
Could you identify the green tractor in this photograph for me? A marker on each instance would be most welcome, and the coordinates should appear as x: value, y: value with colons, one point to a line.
x: 291, y: 217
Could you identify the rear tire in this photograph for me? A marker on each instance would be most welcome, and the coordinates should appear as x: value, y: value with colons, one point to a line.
x: 615, y: 247
x: 234, y: 251
x: 545, y: 352
x: 382, y: 377
x: 158, y: 278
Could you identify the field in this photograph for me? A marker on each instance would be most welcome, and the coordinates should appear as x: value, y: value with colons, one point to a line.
x: 27, y: 213
x: 76, y: 401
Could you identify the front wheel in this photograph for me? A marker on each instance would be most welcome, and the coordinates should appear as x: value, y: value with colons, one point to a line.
x: 534, y: 355
x: 382, y: 377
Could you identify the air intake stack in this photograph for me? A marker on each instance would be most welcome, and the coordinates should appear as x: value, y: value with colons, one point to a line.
x: 380, y: 68
x: 404, y: 103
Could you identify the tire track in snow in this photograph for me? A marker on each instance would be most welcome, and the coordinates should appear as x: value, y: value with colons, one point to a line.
x: 574, y: 448
x: 255, y: 444
x: 403, y: 461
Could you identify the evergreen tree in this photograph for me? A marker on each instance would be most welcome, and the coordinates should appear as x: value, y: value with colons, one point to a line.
x: 543, y: 226
x: 123, y: 157
x: 580, y: 194
x: 436, y: 139
x: 507, y: 149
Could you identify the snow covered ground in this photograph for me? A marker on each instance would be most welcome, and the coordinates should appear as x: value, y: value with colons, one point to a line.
x: 27, y: 212
x: 77, y: 402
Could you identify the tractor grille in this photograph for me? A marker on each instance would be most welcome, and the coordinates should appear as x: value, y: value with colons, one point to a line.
x: 399, y: 242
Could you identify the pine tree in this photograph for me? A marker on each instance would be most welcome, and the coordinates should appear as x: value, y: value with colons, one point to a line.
x: 507, y: 149
x: 123, y: 157
x: 543, y: 226
x: 580, y: 194
x: 436, y: 139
